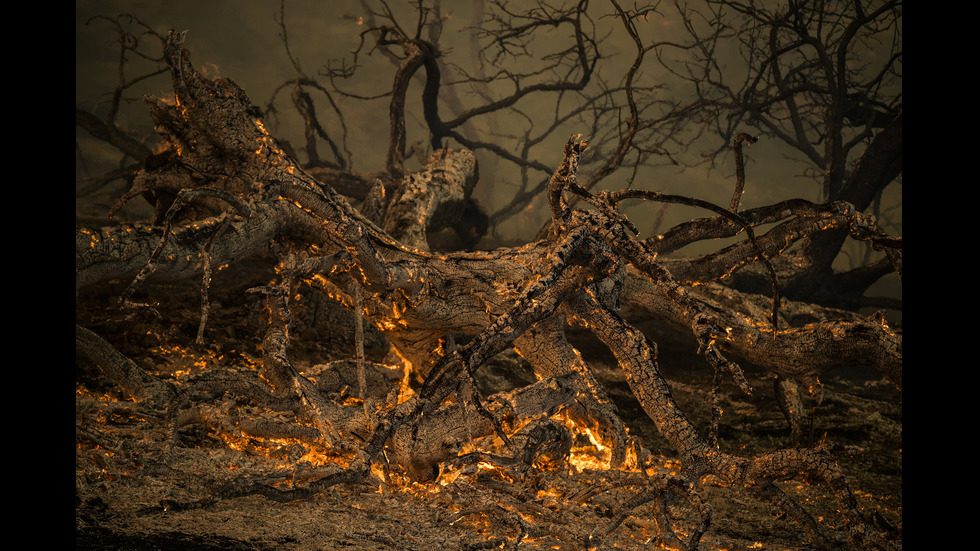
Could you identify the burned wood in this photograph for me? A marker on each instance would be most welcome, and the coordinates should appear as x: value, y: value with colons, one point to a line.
x: 448, y: 314
x: 121, y: 370
x: 443, y: 433
x: 430, y: 199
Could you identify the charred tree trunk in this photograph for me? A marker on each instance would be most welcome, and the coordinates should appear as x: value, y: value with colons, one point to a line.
x: 237, y: 194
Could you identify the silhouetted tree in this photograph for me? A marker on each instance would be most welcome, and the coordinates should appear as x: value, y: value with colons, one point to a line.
x: 226, y: 190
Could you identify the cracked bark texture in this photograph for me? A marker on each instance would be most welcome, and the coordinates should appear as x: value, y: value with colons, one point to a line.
x: 230, y: 191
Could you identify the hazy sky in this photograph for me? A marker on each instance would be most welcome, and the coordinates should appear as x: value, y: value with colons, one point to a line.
x: 233, y: 38
x: 240, y: 40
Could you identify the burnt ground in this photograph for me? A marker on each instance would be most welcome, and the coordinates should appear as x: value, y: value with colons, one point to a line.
x: 128, y: 495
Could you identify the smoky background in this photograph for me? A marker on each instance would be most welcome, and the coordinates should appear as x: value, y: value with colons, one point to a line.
x: 244, y: 41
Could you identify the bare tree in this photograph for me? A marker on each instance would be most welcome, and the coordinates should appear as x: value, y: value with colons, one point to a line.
x: 226, y: 191
x: 824, y: 80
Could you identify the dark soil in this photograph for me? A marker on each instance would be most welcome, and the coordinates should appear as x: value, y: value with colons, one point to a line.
x: 124, y: 483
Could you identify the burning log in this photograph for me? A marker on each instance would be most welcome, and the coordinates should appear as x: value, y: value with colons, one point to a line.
x: 250, y: 198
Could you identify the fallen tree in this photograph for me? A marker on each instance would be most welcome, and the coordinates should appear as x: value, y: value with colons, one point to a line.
x: 226, y: 191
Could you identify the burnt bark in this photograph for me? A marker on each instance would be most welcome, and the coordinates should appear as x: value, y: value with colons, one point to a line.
x: 238, y: 194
